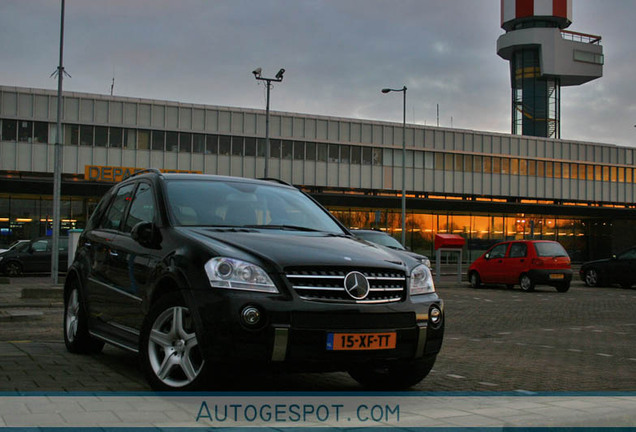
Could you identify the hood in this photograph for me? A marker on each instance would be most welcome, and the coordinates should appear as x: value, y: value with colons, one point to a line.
x: 599, y: 261
x: 291, y: 248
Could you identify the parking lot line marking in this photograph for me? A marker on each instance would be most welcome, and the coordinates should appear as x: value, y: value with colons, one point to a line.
x: 604, y: 355
x: 455, y: 376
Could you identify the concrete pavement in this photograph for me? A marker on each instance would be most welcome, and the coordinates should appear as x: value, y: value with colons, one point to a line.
x: 514, y: 346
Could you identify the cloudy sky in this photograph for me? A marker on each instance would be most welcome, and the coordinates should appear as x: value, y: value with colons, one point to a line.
x: 338, y: 54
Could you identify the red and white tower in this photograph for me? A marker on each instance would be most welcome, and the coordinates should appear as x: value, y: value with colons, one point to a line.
x: 543, y: 57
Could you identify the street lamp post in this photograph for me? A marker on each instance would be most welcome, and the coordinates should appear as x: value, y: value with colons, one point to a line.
x: 268, y: 83
x: 57, y: 161
x: 403, y: 90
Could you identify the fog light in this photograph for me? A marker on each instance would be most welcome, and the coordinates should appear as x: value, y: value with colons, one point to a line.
x: 435, y: 316
x: 251, y: 315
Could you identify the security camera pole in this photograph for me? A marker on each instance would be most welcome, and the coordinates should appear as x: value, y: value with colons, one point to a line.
x: 268, y: 84
x: 403, y: 90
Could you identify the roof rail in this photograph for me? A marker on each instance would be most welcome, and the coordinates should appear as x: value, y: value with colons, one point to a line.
x: 275, y: 180
x: 143, y: 171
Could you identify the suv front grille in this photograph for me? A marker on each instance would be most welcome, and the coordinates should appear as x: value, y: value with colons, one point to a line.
x: 328, y: 285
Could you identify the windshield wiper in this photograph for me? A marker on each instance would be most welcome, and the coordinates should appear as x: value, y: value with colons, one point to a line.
x: 283, y: 227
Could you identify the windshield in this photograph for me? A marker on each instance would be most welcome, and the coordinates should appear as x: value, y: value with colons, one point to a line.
x: 550, y: 249
x: 19, y: 246
x: 239, y: 204
x: 379, y: 238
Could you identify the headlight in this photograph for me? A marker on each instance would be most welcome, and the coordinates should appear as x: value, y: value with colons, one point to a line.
x: 421, y: 281
x: 239, y: 275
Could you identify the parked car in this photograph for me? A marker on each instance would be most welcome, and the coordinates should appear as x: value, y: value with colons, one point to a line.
x: 204, y: 275
x: 618, y: 269
x: 14, y: 244
x: 384, y: 239
x: 33, y: 256
x: 524, y: 262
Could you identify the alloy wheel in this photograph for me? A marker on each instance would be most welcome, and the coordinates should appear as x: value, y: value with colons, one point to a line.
x: 526, y: 283
x: 591, y: 277
x: 173, y: 349
x: 72, y: 315
x: 13, y: 269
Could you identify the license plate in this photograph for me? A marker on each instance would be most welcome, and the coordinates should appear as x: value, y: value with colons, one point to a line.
x: 361, y: 341
x: 557, y: 276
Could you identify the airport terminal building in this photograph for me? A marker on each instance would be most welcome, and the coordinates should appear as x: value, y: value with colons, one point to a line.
x: 483, y: 186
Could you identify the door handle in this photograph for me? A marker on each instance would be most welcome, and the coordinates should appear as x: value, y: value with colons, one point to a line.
x: 88, y: 244
x: 113, y: 253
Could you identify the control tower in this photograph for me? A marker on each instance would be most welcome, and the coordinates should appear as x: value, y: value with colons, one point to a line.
x: 543, y: 57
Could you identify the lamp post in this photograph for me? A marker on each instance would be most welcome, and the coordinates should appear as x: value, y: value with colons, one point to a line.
x: 57, y: 161
x: 268, y: 83
x: 403, y: 90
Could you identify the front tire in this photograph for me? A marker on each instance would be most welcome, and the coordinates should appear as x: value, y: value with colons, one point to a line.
x: 13, y: 268
x: 526, y: 283
x: 170, y: 354
x: 396, y: 375
x: 76, y: 336
x: 475, y: 280
x: 591, y: 277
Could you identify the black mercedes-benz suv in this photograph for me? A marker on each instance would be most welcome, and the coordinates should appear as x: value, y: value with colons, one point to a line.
x: 202, y: 275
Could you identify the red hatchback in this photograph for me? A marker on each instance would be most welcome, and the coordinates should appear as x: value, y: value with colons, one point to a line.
x: 524, y: 262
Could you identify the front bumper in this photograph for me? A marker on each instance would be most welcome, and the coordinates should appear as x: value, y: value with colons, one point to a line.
x: 293, y: 332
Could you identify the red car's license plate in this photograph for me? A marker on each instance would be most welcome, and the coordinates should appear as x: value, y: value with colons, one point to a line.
x: 557, y: 276
x: 361, y: 341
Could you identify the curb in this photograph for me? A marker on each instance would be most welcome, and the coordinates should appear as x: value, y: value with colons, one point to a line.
x: 54, y: 293
x: 20, y: 315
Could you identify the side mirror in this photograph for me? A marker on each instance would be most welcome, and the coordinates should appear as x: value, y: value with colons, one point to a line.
x: 146, y: 234
x: 487, y: 256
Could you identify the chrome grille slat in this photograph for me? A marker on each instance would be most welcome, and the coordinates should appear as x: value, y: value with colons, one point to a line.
x: 327, y: 285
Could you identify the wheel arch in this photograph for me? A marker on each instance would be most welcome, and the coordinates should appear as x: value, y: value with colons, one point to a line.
x: 72, y: 276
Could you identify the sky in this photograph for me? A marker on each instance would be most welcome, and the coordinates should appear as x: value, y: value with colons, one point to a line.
x: 338, y: 55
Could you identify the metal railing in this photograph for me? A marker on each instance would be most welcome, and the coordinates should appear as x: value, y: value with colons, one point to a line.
x: 580, y: 37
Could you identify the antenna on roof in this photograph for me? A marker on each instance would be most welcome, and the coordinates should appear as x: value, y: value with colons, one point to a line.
x: 112, y: 85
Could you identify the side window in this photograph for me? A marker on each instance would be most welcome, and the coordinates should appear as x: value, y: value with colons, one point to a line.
x: 40, y: 246
x: 518, y: 250
x: 499, y: 251
x: 142, y: 208
x: 98, y: 212
x: 115, y: 212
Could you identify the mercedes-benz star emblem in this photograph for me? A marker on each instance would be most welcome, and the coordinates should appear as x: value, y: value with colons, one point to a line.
x: 356, y: 285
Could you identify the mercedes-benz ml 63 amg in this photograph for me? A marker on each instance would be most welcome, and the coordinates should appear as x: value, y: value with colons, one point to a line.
x: 202, y: 275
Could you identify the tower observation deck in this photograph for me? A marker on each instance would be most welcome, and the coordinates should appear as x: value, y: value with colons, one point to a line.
x: 543, y: 57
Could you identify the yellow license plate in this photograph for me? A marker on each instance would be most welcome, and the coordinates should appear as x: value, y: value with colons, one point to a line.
x: 557, y: 276
x: 361, y: 341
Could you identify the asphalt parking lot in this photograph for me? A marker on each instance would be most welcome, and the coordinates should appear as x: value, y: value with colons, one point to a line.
x: 496, y: 340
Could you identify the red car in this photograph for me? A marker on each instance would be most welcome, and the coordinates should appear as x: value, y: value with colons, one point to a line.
x: 524, y: 262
